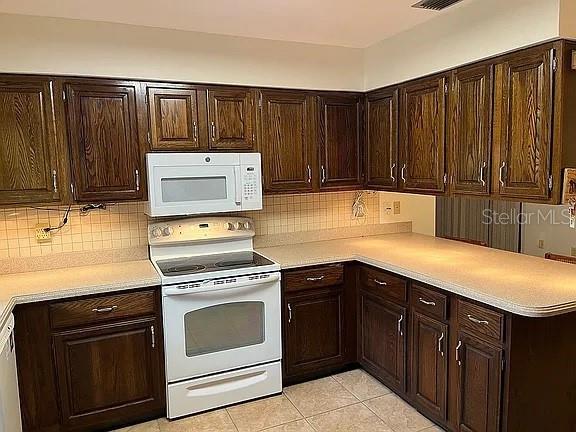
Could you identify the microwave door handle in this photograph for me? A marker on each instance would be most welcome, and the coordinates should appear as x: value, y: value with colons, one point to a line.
x: 203, y: 290
x: 238, y: 178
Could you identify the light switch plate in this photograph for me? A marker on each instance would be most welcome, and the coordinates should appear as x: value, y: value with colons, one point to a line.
x: 387, y: 206
x: 574, y: 252
x: 540, y: 244
x: 573, y: 59
x: 43, y: 236
x: 396, y: 207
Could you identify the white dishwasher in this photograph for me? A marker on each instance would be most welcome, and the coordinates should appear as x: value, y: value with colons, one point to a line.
x: 9, y: 398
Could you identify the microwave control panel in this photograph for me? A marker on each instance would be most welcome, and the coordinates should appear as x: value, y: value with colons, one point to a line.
x: 250, y: 184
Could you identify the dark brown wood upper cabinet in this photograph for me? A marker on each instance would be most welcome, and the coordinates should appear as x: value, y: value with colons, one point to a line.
x: 429, y: 372
x: 340, y: 128
x: 231, y: 119
x: 173, y: 114
x: 382, y: 349
x: 286, y: 119
x: 382, y: 139
x: 523, y: 124
x: 422, y: 134
x: 32, y: 159
x: 470, y: 129
x: 480, y: 378
x: 104, y: 141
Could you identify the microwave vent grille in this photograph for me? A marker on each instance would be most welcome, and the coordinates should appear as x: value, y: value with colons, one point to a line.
x: 436, y: 5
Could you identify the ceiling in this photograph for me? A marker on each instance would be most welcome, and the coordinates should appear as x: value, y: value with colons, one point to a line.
x: 356, y: 24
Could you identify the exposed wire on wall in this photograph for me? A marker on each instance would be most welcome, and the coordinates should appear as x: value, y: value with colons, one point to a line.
x: 359, y: 209
x: 62, y: 224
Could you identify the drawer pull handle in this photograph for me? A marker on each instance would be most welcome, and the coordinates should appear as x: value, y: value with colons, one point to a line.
x: 440, y: 339
x: 400, y: 325
x: 477, y: 321
x: 105, y: 309
x: 315, y: 279
x: 381, y: 283
x: 426, y: 302
x: 289, y: 313
x: 458, y: 353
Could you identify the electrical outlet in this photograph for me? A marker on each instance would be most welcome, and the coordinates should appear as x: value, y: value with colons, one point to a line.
x: 43, y: 236
x: 396, y: 207
x: 540, y: 244
x: 387, y: 208
x: 573, y: 252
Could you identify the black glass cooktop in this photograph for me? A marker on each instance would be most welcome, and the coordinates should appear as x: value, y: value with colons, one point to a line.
x: 211, y: 263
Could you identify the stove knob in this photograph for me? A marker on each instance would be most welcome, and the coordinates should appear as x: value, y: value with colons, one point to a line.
x: 231, y: 227
x: 247, y: 225
x: 239, y: 225
x: 156, y: 232
x: 167, y: 231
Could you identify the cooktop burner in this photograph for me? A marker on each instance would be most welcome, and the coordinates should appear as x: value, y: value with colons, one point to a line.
x: 210, y: 263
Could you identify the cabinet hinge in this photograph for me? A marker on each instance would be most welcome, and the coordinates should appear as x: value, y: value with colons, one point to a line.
x: 153, y: 335
x: 64, y: 95
x: 555, y: 64
x: 148, y: 137
x: 503, y: 365
x: 550, y: 182
x: 260, y: 100
x: 446, y: 88
x: 445, y: 178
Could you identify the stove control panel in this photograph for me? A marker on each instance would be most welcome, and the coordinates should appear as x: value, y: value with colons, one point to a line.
x: 200, y: 229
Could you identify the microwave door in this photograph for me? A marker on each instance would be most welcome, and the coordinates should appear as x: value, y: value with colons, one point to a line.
x: 183, y: 190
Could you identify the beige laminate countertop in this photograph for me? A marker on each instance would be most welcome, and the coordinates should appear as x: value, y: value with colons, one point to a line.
x: 516, y: 283
x: 74, y: 281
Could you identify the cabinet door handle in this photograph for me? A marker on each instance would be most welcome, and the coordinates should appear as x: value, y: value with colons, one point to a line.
x: 54, y: 181
x: 440, y: 339
x: 482, y: 166
x: 137, y: 176
x: 195, y: 132
x: 392, y: 169
x: 105, y: 309
x: 213, y: 125
x: 289, y: 313
x: 309, y: 174
x: 458, y: 353
x: 153, y: 335
x: 426, y: 302
x: 476, y: 320
x: 403, y: 173
x: 381, y: 283
x: 400, y: 325
x: 315, y: 279
x: 323, y: 174
x: 501, y: 173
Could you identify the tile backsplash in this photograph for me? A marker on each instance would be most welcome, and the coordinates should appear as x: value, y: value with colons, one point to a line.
x: 125, y: 225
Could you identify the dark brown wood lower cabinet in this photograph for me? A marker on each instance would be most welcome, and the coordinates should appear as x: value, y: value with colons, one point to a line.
x: 383, y: 340
x: 108, y: 373
x: 313, y: 332
x: 480, y: 380
x: 429, y: 372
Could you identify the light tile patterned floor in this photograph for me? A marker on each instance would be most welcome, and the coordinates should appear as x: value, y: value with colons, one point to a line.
x: 352, y: 401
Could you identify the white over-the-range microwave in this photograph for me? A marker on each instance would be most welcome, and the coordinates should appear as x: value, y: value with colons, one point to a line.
x: 200, y: 183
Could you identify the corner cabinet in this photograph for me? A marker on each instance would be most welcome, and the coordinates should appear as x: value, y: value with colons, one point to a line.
x: 382, y: 139
x: 423, y: 134
x: 33, y: 159
x: 286, y: 120
x: 340, y: 141
x: 104, y: 140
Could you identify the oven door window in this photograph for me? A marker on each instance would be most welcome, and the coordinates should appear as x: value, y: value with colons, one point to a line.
x: 183, y: 189
x: 224, y: 327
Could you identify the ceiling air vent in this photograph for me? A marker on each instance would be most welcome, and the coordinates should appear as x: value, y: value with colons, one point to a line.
x: 435, y: 4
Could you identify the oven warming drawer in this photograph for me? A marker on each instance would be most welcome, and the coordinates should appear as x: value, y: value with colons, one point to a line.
x: 201, y: 394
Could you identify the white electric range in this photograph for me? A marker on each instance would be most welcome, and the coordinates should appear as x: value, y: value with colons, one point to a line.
x: 221, y: 308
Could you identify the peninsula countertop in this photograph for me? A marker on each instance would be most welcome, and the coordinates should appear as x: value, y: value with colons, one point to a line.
x: 520, y: 284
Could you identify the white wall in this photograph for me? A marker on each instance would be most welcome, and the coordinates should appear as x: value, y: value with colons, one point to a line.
x: 473, y: 30
x: 551, y: 226
x: 568, y: 18
x: 73, y: 47
x: 418, y: 209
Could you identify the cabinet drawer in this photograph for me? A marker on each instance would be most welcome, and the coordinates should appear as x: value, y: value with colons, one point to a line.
x: 316, y: 277
x: 429, y: 302
x: 481, y: 321
x: 100, y: 309
x: 383, y: 284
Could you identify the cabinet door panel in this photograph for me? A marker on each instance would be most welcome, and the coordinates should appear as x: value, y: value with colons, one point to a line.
x: 109, y: 373
x: 429, y: 364
x: 382, y: 139
x: 524, y: 128
x: 231, y: 119
x: 314, y: 332
x: 29, y: 168
x: 423, y: 137
x: 471, y: 129
x: 340, y: 128
x: 102, y: 127
x: 480, y: 385
x: 382, y: 340
x: 173, y: 116
x: 287, y: 144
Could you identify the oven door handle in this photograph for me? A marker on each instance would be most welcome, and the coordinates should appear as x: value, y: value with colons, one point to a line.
x: 238, y: 180
x: 202, y: 290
